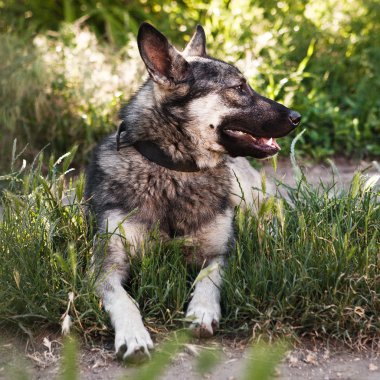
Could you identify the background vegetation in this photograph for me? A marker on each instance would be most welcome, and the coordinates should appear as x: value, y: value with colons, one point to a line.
x: 68, y: 65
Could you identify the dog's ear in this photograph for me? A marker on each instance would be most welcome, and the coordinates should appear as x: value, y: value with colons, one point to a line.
x: 164, y: 63
x: 197, y: 45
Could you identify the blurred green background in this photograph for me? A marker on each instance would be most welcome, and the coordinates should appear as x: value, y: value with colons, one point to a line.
x: 67, y: 66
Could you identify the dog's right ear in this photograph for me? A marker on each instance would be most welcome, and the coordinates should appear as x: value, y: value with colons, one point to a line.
x: 164, y: 63
x: 197, y: 45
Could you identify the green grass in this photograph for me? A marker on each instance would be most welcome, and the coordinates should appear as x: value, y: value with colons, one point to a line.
x: 310, y: 269
x: 309, y: 265
x: 67, y: 67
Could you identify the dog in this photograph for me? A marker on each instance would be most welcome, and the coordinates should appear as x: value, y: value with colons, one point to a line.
x: 177, y: 159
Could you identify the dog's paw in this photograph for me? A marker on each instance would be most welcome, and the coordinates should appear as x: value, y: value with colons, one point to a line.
x: 204, y: 319
x: 133, y: 342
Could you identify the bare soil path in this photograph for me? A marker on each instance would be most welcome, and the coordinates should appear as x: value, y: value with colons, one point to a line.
x: 315, y: 173
x: 318, y: 362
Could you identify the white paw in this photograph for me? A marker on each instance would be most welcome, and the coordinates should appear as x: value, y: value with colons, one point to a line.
x: 204, y: 318
x: 132, y: 341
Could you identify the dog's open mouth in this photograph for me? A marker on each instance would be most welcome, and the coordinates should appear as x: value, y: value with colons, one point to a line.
x: 266, y: 145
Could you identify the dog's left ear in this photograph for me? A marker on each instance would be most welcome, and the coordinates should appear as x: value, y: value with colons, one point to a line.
x: 197, y: 45
x: 164, y: 63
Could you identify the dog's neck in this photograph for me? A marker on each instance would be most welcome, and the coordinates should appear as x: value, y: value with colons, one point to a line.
x: 154, y: 153
x: 165, y: 142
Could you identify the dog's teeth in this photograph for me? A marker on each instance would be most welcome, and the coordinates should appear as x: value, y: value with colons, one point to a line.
x: 269, y: 142
x: 239, y: 133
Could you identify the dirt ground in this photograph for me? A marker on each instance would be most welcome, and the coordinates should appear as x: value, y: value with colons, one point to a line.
x: 304, y: 361
x: 321, y: 172
x: 317, y: 362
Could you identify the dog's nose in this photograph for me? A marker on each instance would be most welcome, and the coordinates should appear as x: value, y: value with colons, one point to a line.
x: 295, y: 118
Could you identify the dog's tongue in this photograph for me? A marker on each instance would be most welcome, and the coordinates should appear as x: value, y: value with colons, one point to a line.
x: 270, y: 142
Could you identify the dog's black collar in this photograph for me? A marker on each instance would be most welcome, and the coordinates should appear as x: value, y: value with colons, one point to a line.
x: 154, y: 153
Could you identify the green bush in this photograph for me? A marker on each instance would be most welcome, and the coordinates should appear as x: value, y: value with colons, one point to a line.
x: 318, y: 57
x: 56, y: 91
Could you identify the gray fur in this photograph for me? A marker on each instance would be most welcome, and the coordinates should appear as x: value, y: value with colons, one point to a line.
x: 188, y: 108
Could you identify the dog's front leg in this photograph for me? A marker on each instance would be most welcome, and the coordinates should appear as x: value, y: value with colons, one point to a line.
x: 204, y: 308
x: 214, y: 242
x: 131, y: 337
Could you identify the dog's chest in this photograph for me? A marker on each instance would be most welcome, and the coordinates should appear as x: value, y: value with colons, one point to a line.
x: 181, y: 204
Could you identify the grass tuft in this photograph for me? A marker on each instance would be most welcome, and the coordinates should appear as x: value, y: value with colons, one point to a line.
x: 309, y: 264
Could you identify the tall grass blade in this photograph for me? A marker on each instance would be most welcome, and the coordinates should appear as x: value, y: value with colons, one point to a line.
x: 207, y: 360
x: 263, y: 361
x: 296, y: 169
x: 160, y: 360
x: 69, y: 366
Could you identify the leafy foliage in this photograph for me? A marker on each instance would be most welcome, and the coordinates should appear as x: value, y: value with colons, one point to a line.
x: 60, y: 85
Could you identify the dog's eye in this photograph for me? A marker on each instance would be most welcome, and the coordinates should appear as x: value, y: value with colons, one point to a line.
x: 243, y: 89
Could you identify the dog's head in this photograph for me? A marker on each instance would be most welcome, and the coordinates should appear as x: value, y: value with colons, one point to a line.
x: 212, y: 98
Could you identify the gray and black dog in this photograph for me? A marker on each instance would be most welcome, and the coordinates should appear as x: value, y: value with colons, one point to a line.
x: 175, y: 162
